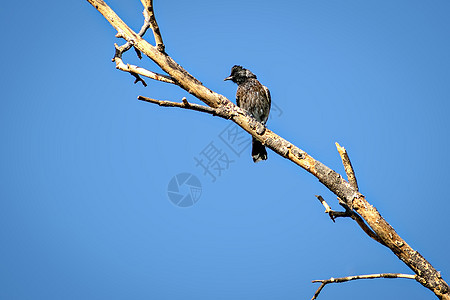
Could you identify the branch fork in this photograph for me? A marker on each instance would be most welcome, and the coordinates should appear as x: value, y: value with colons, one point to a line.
x: 135, y: 71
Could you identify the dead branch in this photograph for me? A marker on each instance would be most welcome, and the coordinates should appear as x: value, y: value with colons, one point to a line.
x: 149, y: 15
x: 141, y: 71
x: 149, y: 21
x: 348, y: 166
x: 348, y: 211
x: 138, y: 79
x: 332, y: 213
x: 184, y: 104
x: 349, y: 214
x: 427, y: 275
x: 350, y: 278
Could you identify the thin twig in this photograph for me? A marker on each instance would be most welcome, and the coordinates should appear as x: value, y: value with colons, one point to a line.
x: 125, y: 47
x: 354, y: 184
x: 138, y: 79
x: 149, y: 21
x: 348, y: 167
x: 149, y: 15
x: 348, y: 213
x: 325, y: 204
x: 143, y: 72
x: 332, y: 213
x: 350, y: 278
x: 184, y: 104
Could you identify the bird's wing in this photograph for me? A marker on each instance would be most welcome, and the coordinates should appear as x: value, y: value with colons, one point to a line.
x: 238, y: 97
x: 268, y: 94
x: 269, y: 98
x: 255, y: 99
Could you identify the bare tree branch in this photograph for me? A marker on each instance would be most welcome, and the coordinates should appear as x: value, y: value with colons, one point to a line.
x: 348, y: 166
x: 350, y: 278
x: 141, y: 71
x: 349, y: 214
x: 328, y: 209
x: 427, y: 275
x: 332, y: 213
x: 184, y: 104
x: 149, y: 15
x: 138, y: 79
x: 149, y: 21
x: 348, y: 211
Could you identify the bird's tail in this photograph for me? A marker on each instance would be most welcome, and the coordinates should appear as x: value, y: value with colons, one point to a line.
x: 258, y: 151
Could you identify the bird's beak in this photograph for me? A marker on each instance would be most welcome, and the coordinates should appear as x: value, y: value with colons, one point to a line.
x: 228, y: 78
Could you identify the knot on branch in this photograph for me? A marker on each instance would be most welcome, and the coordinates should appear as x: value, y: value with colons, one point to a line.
x: 297, y: 153
x: 161, y: 48
x: 224, y: 111
x: 277, y: 145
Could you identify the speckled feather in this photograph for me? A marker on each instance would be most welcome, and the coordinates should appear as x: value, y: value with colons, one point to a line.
x: 253, y: 97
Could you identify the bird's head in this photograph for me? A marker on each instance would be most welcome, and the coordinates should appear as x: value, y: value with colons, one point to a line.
x: 240, y: 75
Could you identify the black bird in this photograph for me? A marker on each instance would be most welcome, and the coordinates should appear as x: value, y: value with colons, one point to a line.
x: 253, y: 97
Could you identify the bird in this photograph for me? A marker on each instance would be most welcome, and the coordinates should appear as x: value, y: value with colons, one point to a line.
x: 254, y: 98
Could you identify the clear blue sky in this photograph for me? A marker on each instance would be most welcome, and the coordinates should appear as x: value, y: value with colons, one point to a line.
x: 85, y: 166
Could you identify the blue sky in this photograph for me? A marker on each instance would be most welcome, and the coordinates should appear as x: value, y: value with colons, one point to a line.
x: 85, y: 166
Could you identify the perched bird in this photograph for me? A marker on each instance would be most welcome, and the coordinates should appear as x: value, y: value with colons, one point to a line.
x: 253, y: 97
